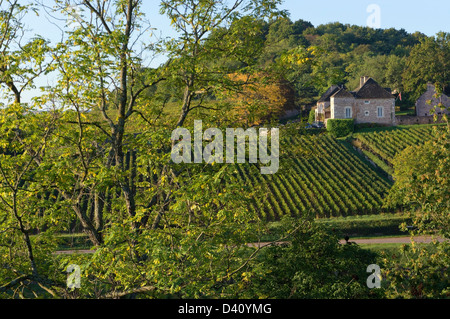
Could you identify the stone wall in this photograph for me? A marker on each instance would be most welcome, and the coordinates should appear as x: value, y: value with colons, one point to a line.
x: 423, y: 108
x: 411, y: 120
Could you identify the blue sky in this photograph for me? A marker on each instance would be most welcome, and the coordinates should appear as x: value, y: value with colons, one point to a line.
x: 428, y: 17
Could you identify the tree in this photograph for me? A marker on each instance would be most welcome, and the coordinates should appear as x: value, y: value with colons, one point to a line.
x: 212, y: 30
x: 422, y: 186
x: 428, y: 62
x: 20, y: 63
x: 313, y: 265
x: 28, y: 215
x: 264, y: 98
x: 100, y: 66
x: 279, y: 39
x: 421, y: 182
x: 154, y: 232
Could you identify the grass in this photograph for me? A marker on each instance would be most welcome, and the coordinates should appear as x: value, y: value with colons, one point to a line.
x: 389, y: 249
x: 409, y: 111
x: 359, y: 226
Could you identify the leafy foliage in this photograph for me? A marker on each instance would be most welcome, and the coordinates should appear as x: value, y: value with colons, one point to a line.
x: 314, y: 265
x: 340, y: 127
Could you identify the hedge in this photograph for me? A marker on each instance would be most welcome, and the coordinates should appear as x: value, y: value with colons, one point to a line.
x: 312, y: 116
x: 340, y: 127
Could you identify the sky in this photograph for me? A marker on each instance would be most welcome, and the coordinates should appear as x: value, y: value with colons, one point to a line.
x: 428, y: 17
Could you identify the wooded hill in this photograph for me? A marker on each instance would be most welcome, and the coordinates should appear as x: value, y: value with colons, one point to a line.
x: 312, y: 58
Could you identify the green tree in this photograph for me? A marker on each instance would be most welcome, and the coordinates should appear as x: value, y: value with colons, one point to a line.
x: 421, y: 182
x: 312, y: 265
x: 422, y: 186
x: 212, y: 30
x: 21, y: 62
x: 28, y: 215
x: 428, y: 62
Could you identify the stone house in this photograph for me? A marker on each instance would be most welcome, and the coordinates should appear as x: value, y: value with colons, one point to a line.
x: 424, y: 107
x: 369, y: 103
x: 322, y: 109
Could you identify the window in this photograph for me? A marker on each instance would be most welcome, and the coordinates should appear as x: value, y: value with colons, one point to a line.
x: 348, y: 112
x: 380, y: 111
x: 366, y: 102
x: 366, y: 113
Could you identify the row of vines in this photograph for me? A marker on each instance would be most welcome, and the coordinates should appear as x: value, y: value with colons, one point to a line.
x: 324, y: 178
x: 388, y: 143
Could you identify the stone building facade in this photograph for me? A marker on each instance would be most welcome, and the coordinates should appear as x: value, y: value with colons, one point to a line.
x: 425, y: 108
x: 370, y: 103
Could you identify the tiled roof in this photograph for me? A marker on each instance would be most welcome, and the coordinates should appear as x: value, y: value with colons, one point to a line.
x: 342, y: 93
x: 326, y: 96
x: 372, y: 90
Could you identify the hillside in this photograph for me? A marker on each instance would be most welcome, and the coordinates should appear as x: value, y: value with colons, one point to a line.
x: 318, y: 174
x: 388, y: 142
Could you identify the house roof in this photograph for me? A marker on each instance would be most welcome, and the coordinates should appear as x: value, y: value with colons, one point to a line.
x: 431, y: 87
x: 369, y: 90
x: 372, y: 90
x: 326, y: 96
x: 342, y: 93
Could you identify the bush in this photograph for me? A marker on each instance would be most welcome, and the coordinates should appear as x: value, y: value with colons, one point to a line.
x: 312, y: 116
x: 340, y: 127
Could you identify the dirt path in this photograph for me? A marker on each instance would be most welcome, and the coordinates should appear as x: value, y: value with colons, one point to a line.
x: 393, y: 240
x: 383, y: 240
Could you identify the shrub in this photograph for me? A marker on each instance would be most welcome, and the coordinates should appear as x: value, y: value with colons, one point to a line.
x: 340, y: 127
x: 312, y: 116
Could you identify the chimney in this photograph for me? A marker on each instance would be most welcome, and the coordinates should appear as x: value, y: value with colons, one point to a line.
x: 363, y: 80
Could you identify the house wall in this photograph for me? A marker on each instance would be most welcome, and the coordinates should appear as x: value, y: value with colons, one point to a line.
x: 424, y: 109
x: 411, y: 120
x: 321, y: 106
x: 359, y: 109
x: 338, y: 107
x: 388, y: 106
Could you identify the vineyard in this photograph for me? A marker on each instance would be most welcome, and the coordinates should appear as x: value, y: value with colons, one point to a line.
x: 388, y: 143
x: 317, y: 174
